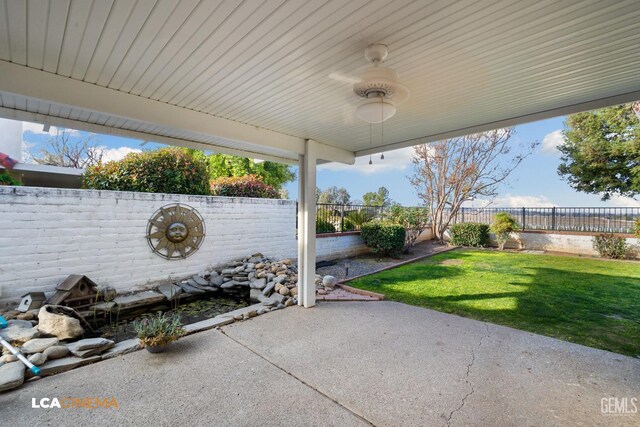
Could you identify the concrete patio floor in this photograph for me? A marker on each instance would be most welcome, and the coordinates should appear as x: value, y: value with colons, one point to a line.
x: 380, y: 363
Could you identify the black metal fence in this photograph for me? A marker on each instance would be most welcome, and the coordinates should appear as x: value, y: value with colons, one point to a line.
x: 336, y: 218
x: 597, y: 220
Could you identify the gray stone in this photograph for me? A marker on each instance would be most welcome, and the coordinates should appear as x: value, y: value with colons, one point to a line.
x: 139, y: 299
x: 281, y: 278
x: 170, y: 291
x: 207, y: 324
x: 90, y: 347
x: 200, y: 281
x: 241, y: 278
x: 288, y: 303
x: 279, y: 306
x: 262, y: 310
x: 11, y: 376
x: 270, y: 277
x: 38, y: 345
x: 8, y: 358
x: 104, y: 306
x: 229, y: 284
x: 123, y: 347
x: 38, y: 359
x: 56, y: 352
x: 329, y: 282
x: 216, y: 281
x: 255, y: 295
x: 228, y: 271
x: 62, y: 365
x: 258, y: 283
x: 238, y: 317
x: 190, y: 289
x: 19, y: 331
x: 238, y: 269
x: 268, y: 288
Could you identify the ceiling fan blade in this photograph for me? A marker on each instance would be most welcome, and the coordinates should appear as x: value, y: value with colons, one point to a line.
x: 343, y: 78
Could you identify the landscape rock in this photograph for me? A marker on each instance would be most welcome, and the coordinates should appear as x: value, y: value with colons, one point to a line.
x: 258, y: 283
x: 284, y: 291
x: 38, y: 345
x: 170, y: 291
x: 329, y: 282
x: 56, y: 352
x: 90, y: 347
x: 11, y: 376
x: 59, y: 325
x: 57, y: 366
x: 19, y: 331
x: 8, y: 358
x: 26, y: 316
x: 216, y: 281
x: 186, y: 287
x: 38, y: 359
x: 123, y: 347
x: 268, y: 288
x: 288, y: 302
x: 200, y: 281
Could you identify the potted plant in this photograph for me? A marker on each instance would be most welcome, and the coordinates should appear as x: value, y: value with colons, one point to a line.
x: 157, y: 332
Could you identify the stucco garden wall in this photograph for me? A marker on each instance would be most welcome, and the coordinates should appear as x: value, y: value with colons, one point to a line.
x: 48, y: 234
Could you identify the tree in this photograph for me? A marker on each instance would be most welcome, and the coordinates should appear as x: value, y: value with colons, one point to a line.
x: 601, y: 152
x: 449, y: 172
x: 503, y: 225
x: 71, y: 152
x: 334, y: 195
x: 378, y: 198
x: 272, y: 174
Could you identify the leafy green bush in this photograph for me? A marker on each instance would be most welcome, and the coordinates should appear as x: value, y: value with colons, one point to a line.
x: 611, y: 246
x: 637, y: 228
x: 414, y: 220
x: 323, y: 226
x: 384, y: 237
x: 469, y: 234
x: 503, y: 225
x: 243, y: 186
x: 6, y: 179
x: 166, y: 170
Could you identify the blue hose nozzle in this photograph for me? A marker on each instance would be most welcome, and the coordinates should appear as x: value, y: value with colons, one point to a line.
x: 35, y: 370
x: 3, y: 323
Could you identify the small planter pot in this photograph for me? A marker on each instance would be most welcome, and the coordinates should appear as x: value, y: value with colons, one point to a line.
x: 157, y: 348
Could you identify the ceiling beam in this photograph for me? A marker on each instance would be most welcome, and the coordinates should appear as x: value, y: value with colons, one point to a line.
x: 508, y: 122
x: 28, y: 116
x: 24, y: 81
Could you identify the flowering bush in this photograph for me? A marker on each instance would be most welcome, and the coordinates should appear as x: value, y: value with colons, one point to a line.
x: 166, y: 170
x: 242, y: 186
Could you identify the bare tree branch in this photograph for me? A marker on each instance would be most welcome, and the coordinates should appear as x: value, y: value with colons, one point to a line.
x: 76, y: 152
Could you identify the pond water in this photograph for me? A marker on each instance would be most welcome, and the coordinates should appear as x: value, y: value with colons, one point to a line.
x: 118, y: 326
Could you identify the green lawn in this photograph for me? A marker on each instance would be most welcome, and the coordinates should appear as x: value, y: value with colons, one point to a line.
x: 586, y: 301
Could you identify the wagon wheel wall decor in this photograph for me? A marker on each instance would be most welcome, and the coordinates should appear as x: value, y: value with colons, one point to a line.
x: 175, y: 231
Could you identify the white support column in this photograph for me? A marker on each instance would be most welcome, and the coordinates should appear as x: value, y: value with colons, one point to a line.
x: 307, y: 226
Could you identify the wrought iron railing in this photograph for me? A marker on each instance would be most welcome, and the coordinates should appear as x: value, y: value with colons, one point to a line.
x: 337, y: 218
x: 596, y: 220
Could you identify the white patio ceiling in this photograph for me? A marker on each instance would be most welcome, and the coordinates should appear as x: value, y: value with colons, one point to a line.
x: 262, y: 76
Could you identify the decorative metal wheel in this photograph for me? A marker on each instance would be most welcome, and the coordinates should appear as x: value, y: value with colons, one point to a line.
x: 175, y: 231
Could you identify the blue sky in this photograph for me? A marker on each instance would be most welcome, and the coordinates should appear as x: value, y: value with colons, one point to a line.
x: 534, y: 183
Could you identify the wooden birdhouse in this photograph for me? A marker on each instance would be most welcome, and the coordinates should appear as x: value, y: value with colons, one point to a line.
x: 31, y: 301
x: 76, y: 291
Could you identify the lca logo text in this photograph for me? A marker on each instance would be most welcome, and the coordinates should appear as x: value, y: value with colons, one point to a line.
x: 74, y: 403
x: 619, y: 405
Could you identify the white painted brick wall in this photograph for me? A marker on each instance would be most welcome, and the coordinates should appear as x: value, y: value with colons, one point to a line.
x: 48, y: 234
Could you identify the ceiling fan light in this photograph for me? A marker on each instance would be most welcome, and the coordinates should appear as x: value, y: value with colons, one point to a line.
x: 373, y: 110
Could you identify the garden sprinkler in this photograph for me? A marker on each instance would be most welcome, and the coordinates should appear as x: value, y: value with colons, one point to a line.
x: 31, y: 366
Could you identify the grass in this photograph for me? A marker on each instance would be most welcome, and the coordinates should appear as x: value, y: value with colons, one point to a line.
x: 586, y: 301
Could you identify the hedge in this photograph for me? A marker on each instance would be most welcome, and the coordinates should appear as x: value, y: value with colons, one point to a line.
x: 470, y: 234
x: 243, y: 186
x: 383, y: 237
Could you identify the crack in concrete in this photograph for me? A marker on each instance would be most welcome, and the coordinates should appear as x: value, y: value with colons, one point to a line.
x: 466, y: 378
x: 334, y: 400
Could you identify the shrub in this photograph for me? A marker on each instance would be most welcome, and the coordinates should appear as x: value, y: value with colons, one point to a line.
x: 610, y: 246
x: 166, y: 170
x: 158, y: 330
x: 323, y: 226
x: 503, y: 225
x: 6, y: 179
x: 243, y: 186
x: 414, y: 220
x: 384, y: 237
x: 355, y: 219
x: 469, y: 234
x: 637, y: 227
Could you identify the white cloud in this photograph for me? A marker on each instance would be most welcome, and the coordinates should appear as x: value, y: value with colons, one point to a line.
x: 514, y: 201
x: 38, y: 129
x: 551, y: 141
x: 111, y: 154
x: 393, y: 160
x: 623, y: 202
